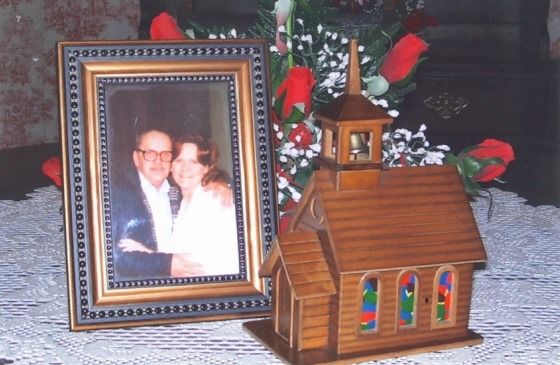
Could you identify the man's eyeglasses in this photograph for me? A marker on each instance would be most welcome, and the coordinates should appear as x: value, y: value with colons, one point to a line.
x: 151, y: 155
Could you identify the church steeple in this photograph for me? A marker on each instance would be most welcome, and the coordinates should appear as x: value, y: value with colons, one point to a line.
x: 352, y: 127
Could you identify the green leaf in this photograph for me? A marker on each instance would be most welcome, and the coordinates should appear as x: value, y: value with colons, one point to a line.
x: 471, y: 187
x: 295, y: 116
x: 470, y: 165
x: 450, y: 159
x: 303, y: 175
x: 306, y: 7
x: 278, y: 103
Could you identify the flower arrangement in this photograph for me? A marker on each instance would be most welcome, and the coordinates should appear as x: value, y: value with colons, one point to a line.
x: 309, y: 59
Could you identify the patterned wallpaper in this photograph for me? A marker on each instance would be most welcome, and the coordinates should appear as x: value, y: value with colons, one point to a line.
x: 29, y: 30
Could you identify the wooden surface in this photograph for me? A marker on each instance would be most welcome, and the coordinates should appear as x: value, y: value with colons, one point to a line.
x: 262, y: 331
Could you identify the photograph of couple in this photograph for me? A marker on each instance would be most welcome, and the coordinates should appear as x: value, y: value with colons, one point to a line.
x: 172, y: 212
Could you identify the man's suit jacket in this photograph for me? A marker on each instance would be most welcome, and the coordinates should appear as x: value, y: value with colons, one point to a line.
x: 131, y: 218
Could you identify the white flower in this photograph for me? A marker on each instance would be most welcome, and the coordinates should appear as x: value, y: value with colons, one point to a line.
x: 300, y: 47
x: 328, y: 33
x: 422, y: 127
x: 309, y: 153
x: 289, y: 145
x: 333, y: 63
x: 381, y: 102
x: 282, y: 182
x: 331, y: 79
x: 289, y: 44
x: 365, y: 59
x: 304, y: 163
x: 393, y: 112
x: 294, y: 153
x: 316, y: 147
x: 300, y: 21
x: 294, y: 193
x: 222, y: 36
x: 280, y: 196
x: 434, y: 158
x: 280, y: 135
x: 361, y: 48
x: 326, y: 47
x: 334, y: 36
x: 283, y: 159
x: 344, y: 40
x: 319, y: 28
x: 282, y: 29
x: 274, y: 49
x: 233, y: 33
x: 293, y: 171
x: 443, y: 147
x: 212, y: 36
x: 404, y: 132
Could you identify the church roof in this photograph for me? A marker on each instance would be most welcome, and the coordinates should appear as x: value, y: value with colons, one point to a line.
x: 416, y: 216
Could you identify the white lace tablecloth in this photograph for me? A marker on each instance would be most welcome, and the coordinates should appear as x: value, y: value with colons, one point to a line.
x: 515, y: 304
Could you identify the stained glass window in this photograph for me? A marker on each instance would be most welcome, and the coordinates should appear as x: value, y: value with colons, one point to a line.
x: 408, y: 293
x: 445, y: 296
x: 369, y: 306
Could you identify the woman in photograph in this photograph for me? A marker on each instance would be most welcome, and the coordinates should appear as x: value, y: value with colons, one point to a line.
x: 203, y: 228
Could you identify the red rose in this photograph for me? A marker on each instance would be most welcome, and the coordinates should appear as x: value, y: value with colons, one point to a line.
x: 53, y: 170
x: 492, y: 148
x: 298, y: 85
x: 285, y: 221
x: 402, y: 58
x: 164, y: 26
x: 301, y: 136
x: 418, y: 20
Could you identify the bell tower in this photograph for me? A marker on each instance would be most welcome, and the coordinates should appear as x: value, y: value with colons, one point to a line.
x: 352, y: 128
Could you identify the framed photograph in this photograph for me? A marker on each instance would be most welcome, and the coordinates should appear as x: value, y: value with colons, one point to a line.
x: 169, y: 185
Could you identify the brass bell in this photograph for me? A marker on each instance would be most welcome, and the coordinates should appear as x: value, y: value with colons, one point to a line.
x: 357, y: 144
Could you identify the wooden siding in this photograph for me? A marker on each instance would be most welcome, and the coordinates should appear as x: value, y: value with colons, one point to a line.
x: 351, y: 339
x: 314, y: 323
x: 417, y: 216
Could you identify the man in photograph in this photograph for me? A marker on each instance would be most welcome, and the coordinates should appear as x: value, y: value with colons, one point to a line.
x: 142, y: 215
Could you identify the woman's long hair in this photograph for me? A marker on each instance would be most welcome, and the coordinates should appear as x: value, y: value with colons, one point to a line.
x: 207, y: 155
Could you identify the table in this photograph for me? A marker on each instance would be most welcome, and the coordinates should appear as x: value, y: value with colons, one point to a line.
x: 515, y: 304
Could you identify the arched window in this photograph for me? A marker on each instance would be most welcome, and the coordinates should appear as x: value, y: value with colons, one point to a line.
x: 446, y: 296
x: 370, y: 302
x: 408, y: 295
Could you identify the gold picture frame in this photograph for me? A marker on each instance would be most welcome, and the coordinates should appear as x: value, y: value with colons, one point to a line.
x: 112, y: 92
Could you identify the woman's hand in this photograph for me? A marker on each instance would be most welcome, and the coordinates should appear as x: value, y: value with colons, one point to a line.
x: 130, y: 245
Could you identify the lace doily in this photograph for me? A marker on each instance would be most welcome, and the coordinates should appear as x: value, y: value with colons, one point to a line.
x: 514, y: 305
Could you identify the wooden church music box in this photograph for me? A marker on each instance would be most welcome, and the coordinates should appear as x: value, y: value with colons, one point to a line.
x: 376, y: 262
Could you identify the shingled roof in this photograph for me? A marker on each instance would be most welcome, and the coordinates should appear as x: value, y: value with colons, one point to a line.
x: 415, y: 217
x: 305, y: 264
